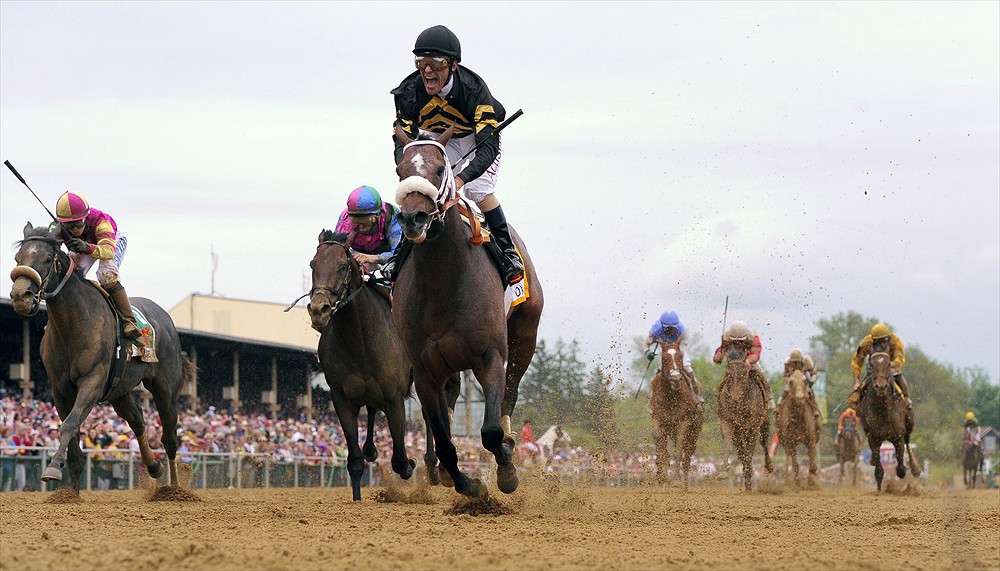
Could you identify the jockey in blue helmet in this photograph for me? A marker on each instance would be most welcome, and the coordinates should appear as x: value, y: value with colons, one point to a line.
x: 669, y: 330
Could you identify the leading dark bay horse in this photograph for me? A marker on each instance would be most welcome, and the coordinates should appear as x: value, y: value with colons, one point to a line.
x: 795, y: 425
x: 885, y: 417
x: 972, y: 459
x: 448, y: 303
x: 77, y: 351
x: 675, y: 411
x: 849, y: 449
x: 743, y: 411
x: 362, y: 357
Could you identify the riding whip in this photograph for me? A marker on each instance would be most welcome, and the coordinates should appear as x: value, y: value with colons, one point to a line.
x: 724, y: 313
x: 21, y: 178
x: 642, y: 381
x: 499, y: 128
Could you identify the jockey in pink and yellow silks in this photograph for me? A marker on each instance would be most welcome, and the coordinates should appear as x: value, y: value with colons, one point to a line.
x: 93, y: 236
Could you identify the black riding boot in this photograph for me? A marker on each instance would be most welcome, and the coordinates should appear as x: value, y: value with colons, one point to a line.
x: 388, y: 274
x: 513, y: 270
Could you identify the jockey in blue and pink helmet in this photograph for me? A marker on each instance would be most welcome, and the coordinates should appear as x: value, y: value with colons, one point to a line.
x: 374, y: 224
x: 669, y: 330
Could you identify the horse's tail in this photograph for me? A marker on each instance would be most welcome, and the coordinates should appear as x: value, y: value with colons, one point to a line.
x: 189, y: 371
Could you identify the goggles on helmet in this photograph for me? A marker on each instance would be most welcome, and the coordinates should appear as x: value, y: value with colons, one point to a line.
x: 437, y: 63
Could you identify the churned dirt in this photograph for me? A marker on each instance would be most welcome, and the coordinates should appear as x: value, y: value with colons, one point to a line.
x: 544, y: 525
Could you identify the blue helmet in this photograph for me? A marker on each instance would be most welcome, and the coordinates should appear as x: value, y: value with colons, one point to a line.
x: 670, y: 319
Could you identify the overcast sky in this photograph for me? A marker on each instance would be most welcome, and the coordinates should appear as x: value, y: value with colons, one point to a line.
x: 804, y: 159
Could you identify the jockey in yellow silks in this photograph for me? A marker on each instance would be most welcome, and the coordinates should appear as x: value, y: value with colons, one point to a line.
x: 880, y: 340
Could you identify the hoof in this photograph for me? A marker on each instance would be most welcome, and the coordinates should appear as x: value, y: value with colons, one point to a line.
x: 155, y: 470
x: 408, y: 471
x: 356, y: 490
x: 509, y: 441
x: 51, y: 474
x: 476, y: 489
x: 446, y: 480
x: 901, y: 472
x: 432, y: 476
x: 507, y: 478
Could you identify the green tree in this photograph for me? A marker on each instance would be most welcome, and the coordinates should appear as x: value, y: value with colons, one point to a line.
x: 599, y: 406
x: 984, y: 397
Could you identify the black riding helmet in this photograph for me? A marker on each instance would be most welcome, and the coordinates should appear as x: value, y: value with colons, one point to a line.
x: 438, y: 40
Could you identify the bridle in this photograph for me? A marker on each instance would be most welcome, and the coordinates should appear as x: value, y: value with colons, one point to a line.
x: 447, y: 194
x: 336, y: 295
x: 36, y: 278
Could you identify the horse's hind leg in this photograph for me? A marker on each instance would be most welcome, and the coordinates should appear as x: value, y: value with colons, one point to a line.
x: 369, y: 451
x: 430, y: 458
x: 522, y: 333
x: 395, y: 415
x: 765, y: 438
x: 126, y: 408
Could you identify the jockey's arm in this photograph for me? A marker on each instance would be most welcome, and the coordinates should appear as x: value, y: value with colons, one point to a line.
x: 897, y: 353
x: 858, y: 361
x: 755, y: 350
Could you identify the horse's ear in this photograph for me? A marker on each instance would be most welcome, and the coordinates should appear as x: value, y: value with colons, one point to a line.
x: 321, y: 234
x: 28, y: 229
x: 402, y: 136
x: 446, y: 136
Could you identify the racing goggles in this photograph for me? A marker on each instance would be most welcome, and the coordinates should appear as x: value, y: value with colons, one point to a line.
x: 437, y: 63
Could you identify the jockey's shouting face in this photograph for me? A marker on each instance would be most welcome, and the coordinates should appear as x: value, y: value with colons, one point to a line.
x: 434, y: 71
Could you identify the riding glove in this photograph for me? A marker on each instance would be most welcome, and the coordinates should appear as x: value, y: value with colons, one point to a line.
x: 77, y: 245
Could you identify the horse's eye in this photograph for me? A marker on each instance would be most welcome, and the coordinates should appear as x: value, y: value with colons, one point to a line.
x: 440, y: 171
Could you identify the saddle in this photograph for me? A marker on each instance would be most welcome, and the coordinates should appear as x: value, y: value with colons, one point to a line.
x: 474, y: 218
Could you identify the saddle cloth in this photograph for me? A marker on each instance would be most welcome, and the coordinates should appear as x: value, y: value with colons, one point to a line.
x: 513, y: 295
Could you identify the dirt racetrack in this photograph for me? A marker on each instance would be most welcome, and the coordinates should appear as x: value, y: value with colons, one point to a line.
x: 541, y: 526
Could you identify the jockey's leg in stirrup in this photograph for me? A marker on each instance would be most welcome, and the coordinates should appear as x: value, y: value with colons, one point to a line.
x: 859, y: 385
x: 696, y: 388
x: 757, y: 372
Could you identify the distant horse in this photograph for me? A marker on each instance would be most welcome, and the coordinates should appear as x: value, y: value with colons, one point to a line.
x: 885, y: 417
x: 972, y: 459
x: 675, y: 411
x: 360, y: 353
x: 849, y: 449
x: 78, y: 348
x: 743, y: 411
x: 448, y: 304
x: 796, y: 424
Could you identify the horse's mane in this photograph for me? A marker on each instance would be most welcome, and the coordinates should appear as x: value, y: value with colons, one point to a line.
x: 334, y: 236
x: 40, y: 233
x: 424, y: 136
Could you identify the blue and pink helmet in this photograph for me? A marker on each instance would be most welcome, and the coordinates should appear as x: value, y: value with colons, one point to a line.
x: 364, y: 200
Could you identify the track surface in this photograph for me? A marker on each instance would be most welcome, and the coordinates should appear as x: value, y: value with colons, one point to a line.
x: 545, y: 526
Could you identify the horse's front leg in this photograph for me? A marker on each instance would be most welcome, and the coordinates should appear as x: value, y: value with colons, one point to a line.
x: 395, y: 415
x: 491, y: 377
x: 432, y: 399
x: 662, y: 452
x: 348, y: 416
x: 86, y: 397
x: 765, y: 439
x: 876, y: 460
x: 897, y: 444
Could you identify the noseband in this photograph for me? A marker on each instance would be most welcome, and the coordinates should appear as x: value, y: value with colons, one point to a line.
x: 337, y: 294
x: 36, y: 278
x: 447, y: 194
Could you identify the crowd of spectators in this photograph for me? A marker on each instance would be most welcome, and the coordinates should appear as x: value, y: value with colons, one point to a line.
x: 27, y: 426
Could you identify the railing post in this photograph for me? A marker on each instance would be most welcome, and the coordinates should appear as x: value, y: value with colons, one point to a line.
x: 131, y: 467
x: 89, y: 462
x: 239, y: 470
x: 295, y: 472
x: 204, y: 471
x: 267, y: 471
x: 322, y: 479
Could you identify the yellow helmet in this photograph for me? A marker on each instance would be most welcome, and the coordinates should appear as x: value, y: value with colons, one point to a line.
x: 880, y: 330
x: 970, y: 416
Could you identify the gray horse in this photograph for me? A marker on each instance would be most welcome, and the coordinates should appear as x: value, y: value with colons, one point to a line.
x: 78, y: 348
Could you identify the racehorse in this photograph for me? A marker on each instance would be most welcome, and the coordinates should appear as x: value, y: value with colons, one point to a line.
x: 448, y: 304
x: 675, y: 411
x: 885, y: 417
x: 796, y: 424
x: 972, y: 459
x: 848, y: 449
x: 361, y: 355
x: 743, y: 411
x: 78, y: 350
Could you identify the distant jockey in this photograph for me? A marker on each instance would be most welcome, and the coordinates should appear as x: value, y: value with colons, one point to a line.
x: 374, y: 224
x: 739, y: 333
x: 880, y: 340
x: 669, y: 330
